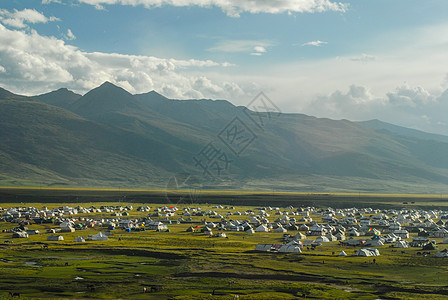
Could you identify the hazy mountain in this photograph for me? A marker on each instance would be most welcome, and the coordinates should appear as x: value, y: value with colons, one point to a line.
x: 399, y: 130
x: 109, y: 137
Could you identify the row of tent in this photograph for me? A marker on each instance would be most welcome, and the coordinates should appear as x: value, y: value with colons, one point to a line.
x: 296, y: 248
x: 293, y: 248
x: 79, y: 239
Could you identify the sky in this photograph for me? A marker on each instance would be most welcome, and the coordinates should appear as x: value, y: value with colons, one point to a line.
x: 355, y: 60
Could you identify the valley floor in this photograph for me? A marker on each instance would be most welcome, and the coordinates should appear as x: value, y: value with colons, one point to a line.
x: 189, y: 265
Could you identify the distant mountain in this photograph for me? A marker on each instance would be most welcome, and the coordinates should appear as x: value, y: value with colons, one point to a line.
x: 111, y: 138
x: 61, y: 98
x: 399, y: 130
x: 105, y: 99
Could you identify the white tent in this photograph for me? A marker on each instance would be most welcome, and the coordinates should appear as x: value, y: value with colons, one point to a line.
x: 299, y: 236
x: 262, y: 228
x: 445, y: 241
x: 342, y: 253
x: 20, y: 234
x: 443, y: 253
x: 294, y: 242
x: 340, y: 236
x: 55, y: 238
x: 79, y: 239
x: 250, y: 231
x: 331, y: 237
x: 290, y: 249
x: 280, y: 229
x: 367, y: 252
x: 98, y: 237
x: 322, y: 239
x: 401, y: 244
x: 263, y: 247
x: 374, y: 243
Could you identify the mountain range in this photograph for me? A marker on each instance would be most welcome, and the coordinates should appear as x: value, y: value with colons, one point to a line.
x: 111, y: 138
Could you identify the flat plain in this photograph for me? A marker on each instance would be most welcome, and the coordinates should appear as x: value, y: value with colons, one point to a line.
x: 190, y: 265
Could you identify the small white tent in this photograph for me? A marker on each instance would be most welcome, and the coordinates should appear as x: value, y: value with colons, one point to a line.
x: 79, y: 239
x: 367, y: 252
x: 290, y: 249
x: 443, y: 253
x: 342, y: 253
x: 322, y: 239
x: 262, y: 228
x: 263, y: 247
x: 401, y: 244
x: 299, y: 236
x: 280, y: 229
x: 98, y: 237
x: 374, y: 243
x: 55, y: 238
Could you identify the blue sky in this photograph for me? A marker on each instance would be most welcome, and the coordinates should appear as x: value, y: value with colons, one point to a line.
x: 350, y: 59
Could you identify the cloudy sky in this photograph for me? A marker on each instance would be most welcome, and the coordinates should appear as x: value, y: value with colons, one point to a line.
x: 356, y: 60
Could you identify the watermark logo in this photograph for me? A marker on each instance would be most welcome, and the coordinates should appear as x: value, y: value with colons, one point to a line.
x: 183, y: 188
x: 212, y: 161
x: 237, y: 136
x: 261, y: 110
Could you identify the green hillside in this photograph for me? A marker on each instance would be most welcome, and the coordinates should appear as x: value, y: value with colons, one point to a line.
x: 111, y: 138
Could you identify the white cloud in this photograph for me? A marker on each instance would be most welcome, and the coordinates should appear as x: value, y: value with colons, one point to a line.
x: 409, y: 106
x: 258, y: 51
x: 37, y: 64
x: 234, y: 8
x: 50, y: 1
x: 234, y: 46
x: 315, y: 43
x: 70, y: 36
x: 408, y: 96
x: 363, y: 58
x: 2, y: 69
x: 19, y: 18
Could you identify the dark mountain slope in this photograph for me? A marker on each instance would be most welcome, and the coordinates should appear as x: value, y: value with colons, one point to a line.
x: 109, y: 137
x: 61, y: 98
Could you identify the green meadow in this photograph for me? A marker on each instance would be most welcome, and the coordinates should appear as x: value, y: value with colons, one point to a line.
x: 185, y: 265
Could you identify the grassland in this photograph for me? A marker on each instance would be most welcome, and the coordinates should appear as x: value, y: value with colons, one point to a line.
x: 229, y: 197
x: 184, y: 265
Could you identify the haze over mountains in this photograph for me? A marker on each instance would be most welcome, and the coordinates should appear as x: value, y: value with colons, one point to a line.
x: 111, y: 138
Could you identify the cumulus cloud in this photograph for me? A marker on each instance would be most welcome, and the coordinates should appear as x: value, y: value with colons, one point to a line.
x: 234, y: 8
x: 409, y: 106
x: 33, y: 63
x: 19, y: 18
x: 407, y: 96
x: 315, y: 43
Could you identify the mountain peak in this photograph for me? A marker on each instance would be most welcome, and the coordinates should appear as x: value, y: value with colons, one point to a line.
x: 62, y: 97
x: 103, y: 99
x: 107, y: 84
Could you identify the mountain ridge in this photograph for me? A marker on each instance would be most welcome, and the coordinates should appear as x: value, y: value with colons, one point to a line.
x: 110, y: 137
